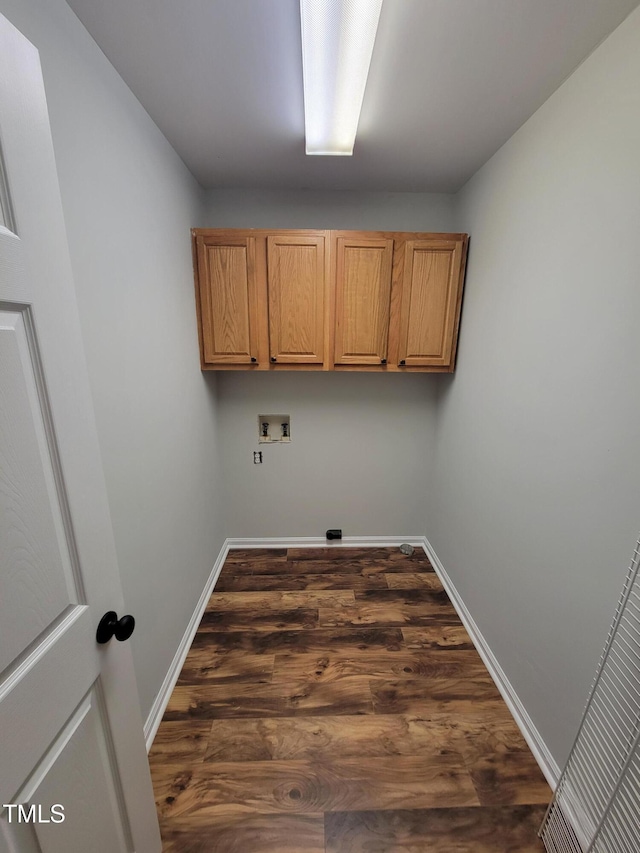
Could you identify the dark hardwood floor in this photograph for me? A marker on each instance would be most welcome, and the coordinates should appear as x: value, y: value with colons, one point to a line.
x: 332, y: 702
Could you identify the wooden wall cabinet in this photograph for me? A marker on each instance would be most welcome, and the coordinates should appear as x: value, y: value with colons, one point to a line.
x: 296, y: 281
x: 363, y: 267
x: 430, y: 302
x: 328, y: 300
x: 227, y: 303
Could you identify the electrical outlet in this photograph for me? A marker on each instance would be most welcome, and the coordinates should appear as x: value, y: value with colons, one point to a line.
x: 257, y: 457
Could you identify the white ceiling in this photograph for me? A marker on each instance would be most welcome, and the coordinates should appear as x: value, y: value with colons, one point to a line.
x: 450, y: 82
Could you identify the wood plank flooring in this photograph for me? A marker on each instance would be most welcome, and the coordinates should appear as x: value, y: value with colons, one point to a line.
x: 332, y: 702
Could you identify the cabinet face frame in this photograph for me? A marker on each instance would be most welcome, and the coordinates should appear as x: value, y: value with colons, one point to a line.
x: 383, y: 245
x: 284, y: 309
x: 245, y: 292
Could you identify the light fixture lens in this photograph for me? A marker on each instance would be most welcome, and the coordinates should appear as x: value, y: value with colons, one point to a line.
x: 337, y: 43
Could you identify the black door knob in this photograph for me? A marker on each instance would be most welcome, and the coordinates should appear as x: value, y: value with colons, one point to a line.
x: 253, y: 359
x: 402, y: 363
x: 273, y: 359
x: 383, y: 361
x: 110, y: 626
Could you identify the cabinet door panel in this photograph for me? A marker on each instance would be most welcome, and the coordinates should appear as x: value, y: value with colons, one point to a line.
x: 431, y: 294
x: 296, y: 283
x: 227, y: 280
x: 363, y: 293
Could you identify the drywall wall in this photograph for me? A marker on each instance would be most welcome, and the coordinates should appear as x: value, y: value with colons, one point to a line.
x: 535, y: 503
x: 381, y: 211
x: 129, y: 203
x: 359, y: 456
x: 361, y: 449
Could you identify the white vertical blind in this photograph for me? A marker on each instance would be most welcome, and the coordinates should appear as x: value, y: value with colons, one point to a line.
x: 596, y: 806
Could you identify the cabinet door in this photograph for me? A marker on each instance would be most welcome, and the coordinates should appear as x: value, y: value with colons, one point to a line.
x: 431, y: 299
x: 227, y: 298
x: 296, y: 277
x: 363, y: 294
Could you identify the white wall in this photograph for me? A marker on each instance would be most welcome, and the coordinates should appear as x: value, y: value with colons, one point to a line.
x: 535, y: 505
x: 129, y: 203
x: 359, y: 457
x: 362, y: 443
x: 337, y: 210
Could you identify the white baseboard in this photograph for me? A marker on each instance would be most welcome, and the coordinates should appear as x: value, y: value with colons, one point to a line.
x: 540, y: 751
x: 321, y: 542
x: 162, y: 699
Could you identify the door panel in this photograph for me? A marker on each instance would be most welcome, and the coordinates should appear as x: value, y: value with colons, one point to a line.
x: 363, y: 294
x: 58, y: 668
x: 74, y: 791
x: 296, y: 284
x: 6, y: 208
x: 77, y: 771
x: 59, y: 569
x: 431, y: 292
x: 37, y: 580
x: 227, y: 299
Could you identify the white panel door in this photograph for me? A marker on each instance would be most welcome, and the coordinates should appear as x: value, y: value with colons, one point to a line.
x: 74, y: 775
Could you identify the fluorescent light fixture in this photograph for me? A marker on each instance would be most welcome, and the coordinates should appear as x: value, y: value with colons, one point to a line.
x: 337, y: 43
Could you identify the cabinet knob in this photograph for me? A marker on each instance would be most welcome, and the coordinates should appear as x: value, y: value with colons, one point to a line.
x: 383, y: 361
x: 403, y: 362
x: 273, y: 359
x: 253, y: 359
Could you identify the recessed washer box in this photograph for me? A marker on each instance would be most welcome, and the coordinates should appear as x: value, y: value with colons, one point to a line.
x: 274, y: 429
